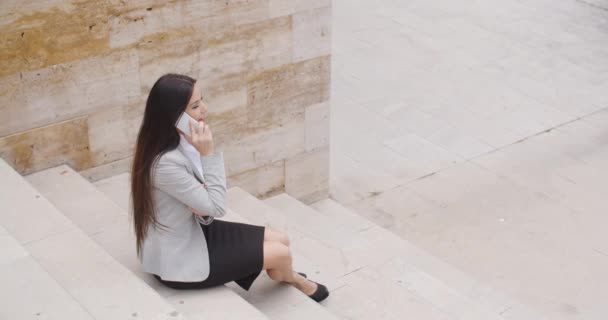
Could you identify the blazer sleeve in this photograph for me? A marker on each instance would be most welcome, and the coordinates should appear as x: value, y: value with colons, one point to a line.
x: 172, y: 178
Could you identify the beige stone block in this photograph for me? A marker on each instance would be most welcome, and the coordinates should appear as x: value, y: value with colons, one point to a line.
x: 311, y: 34
x: 239, y: 11
x: 125, y: 30
x: 206, y: 15
x: 261, y: 182
x: 301, y: 5
x: 228, y: 126
x: 282, y: 142
x: 282, y: 93
x: 133, y: 21
x: 238, y: 161
x: 113, y: 132
x: 317, y: 125
x: 247, y: 48
x: 33, y: 150
x: 287, y: 7
x: 11, y: 9
x: 109, y: 80
x: 107, y: 170
x: 12, y: 103
x: 107, y: 135
x: 277, y: 8
x: 211, y: 15
x: 170, y: 52
x: 266, y: 147
x: 53, y: 35
x: 70, y: 90
x: 225, y: 93
x: 163, y: 17
x: 307, y: 176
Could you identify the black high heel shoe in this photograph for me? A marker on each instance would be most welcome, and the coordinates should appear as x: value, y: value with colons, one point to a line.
x: 320, y: 294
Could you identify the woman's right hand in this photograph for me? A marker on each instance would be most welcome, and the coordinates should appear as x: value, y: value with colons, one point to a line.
x: 202, y: 138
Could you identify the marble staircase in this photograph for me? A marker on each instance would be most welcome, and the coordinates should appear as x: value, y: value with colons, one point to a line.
x: 265, y: 300
x: 74, y: 239
x: 53, y: 269
x: 371, y: 272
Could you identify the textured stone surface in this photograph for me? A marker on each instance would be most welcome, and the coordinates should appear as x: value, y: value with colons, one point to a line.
x: 247, y: 48
x: 46, y: 299
x: 113, y: 132
x: 263, y: 181
x: 307, y: 176
x: 64, y: 91
x: 108, y: 169
x: 365, y: 258
x: 173, y: 51
x: 317, y: 118
x: 288, y: 7
x: 261, y: 63
x: 38, y: 39
x: 49, y: 146
x: 311, y: 33
x: 456, y: 126
x: 266, y: 147
x: 87, y: 273
x: 281, y: 93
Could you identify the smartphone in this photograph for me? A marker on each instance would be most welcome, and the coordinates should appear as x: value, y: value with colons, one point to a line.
x: 182, y: 123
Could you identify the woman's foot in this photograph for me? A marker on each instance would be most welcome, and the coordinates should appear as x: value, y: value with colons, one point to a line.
x: 315, y: 291
x: 320, y: 294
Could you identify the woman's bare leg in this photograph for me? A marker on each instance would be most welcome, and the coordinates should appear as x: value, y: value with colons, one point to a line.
x: 276, y: 236
x: 277, y: 263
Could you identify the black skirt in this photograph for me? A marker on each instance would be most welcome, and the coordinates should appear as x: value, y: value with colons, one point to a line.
x: 236, y: 253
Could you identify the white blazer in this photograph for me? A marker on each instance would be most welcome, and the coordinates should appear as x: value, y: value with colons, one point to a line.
x: 180, y: 253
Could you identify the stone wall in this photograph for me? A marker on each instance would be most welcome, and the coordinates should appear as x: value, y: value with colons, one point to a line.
x: 74, y: 76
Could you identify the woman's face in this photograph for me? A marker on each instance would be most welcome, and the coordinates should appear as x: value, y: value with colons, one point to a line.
x: 196, y: 108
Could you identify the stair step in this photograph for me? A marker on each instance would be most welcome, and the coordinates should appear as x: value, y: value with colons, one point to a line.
x: 104, y: 288
x: 410, y: 255
x: 278, y: 301
x: 46, y: 299
x: 354, y: 295
x: 275, y: 301
x: 87, y: 206
x: 117, y: 189
x: 260, y: 213
x: 361, y: 255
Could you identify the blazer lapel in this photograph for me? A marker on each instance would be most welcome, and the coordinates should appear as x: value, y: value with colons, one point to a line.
x: 197, y: 174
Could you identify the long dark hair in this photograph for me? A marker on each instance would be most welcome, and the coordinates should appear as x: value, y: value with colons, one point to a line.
x: 167, y: 100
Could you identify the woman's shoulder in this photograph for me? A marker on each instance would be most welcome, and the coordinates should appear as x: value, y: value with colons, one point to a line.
x: 171, y: 157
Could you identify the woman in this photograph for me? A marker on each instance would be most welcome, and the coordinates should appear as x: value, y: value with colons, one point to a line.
x: 179, y: 187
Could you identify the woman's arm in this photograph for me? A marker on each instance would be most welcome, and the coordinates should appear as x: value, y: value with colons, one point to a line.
x: 208, y: 199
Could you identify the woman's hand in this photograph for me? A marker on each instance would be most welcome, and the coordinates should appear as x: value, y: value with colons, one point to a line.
x: 201, y: 139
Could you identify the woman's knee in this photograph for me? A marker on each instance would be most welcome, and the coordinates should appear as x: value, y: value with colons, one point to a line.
x: 276, y: 236
x: 276, y: 255
x: 274, y: 274
x: 284, y: 239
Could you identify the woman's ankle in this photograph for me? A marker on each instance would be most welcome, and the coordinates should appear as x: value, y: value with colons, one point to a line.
x: 306, y: 286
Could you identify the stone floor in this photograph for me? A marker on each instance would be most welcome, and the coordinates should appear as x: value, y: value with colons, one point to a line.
x: 478, y: 130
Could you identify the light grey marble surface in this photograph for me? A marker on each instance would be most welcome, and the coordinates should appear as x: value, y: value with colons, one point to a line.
x: 67, y: 263
x: 370, y: 272
x: 478, y: 130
